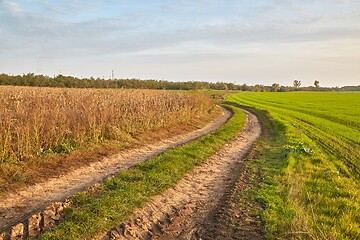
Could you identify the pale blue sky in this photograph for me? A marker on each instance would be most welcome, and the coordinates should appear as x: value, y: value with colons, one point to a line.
x: 234, y: 41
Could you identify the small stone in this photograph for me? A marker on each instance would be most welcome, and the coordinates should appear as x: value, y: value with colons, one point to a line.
x: 114, y: 235
x: 3, y: 236
x: 138, y: 221
x: 56, y: 217
x: 8, y: 216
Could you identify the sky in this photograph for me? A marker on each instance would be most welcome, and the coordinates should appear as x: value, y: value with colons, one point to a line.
x: 243, y: 41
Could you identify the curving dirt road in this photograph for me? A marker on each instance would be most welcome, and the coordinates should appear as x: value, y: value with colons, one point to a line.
x: 182, y: 212
x: 17, y: 206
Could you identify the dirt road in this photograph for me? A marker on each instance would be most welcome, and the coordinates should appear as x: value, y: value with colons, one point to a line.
x: 182, y: 211
x: 17, y: 206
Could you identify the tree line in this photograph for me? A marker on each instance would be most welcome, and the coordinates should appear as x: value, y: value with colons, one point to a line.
x: 31, y: 79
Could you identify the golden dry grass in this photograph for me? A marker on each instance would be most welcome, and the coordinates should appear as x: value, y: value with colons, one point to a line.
x: 35, y: 122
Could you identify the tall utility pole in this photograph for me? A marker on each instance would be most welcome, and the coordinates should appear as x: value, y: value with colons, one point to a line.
x: 112, y: 75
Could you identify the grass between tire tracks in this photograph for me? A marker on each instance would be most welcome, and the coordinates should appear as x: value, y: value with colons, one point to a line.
x: 111, y: 203
x: 263, y: 198
x: 242, y: 213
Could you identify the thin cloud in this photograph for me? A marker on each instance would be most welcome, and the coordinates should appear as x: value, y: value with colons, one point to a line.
x: 11, y: 7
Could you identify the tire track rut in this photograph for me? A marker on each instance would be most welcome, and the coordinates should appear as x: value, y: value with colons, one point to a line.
x: 180, y: 212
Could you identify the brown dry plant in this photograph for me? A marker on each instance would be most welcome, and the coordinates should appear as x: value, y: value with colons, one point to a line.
x: 38, y: 121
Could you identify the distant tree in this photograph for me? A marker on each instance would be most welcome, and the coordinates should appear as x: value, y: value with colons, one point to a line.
x: 231, y: 86
x: 275, y: 87
x: 245, y: 87
x: 284, y: 89
x: 256, y: 88
x: 266, y: 89
x: 297, y: 83
x: 317, y: 83
x: 351, y: 88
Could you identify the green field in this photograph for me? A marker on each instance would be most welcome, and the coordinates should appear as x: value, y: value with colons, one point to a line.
x: 310, y: 173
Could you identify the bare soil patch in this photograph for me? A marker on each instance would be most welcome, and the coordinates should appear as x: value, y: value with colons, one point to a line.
x: 185, y: 211
x: 21, y: 204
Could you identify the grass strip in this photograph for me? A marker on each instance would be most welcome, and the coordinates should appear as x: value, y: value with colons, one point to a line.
x: 97, y: 211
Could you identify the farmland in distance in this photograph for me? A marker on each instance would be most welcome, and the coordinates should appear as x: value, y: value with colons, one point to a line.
x: 310, y: 188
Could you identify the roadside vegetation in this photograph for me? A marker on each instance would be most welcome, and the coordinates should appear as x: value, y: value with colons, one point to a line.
x: 97, y: 211
x: 309, y: 164
x: 40, y: 123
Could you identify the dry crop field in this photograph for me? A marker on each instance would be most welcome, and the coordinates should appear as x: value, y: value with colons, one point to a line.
x: 40, y: 122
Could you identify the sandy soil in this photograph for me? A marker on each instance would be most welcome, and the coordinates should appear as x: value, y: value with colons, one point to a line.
x: 184, y: 211
x: 20, y: 205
